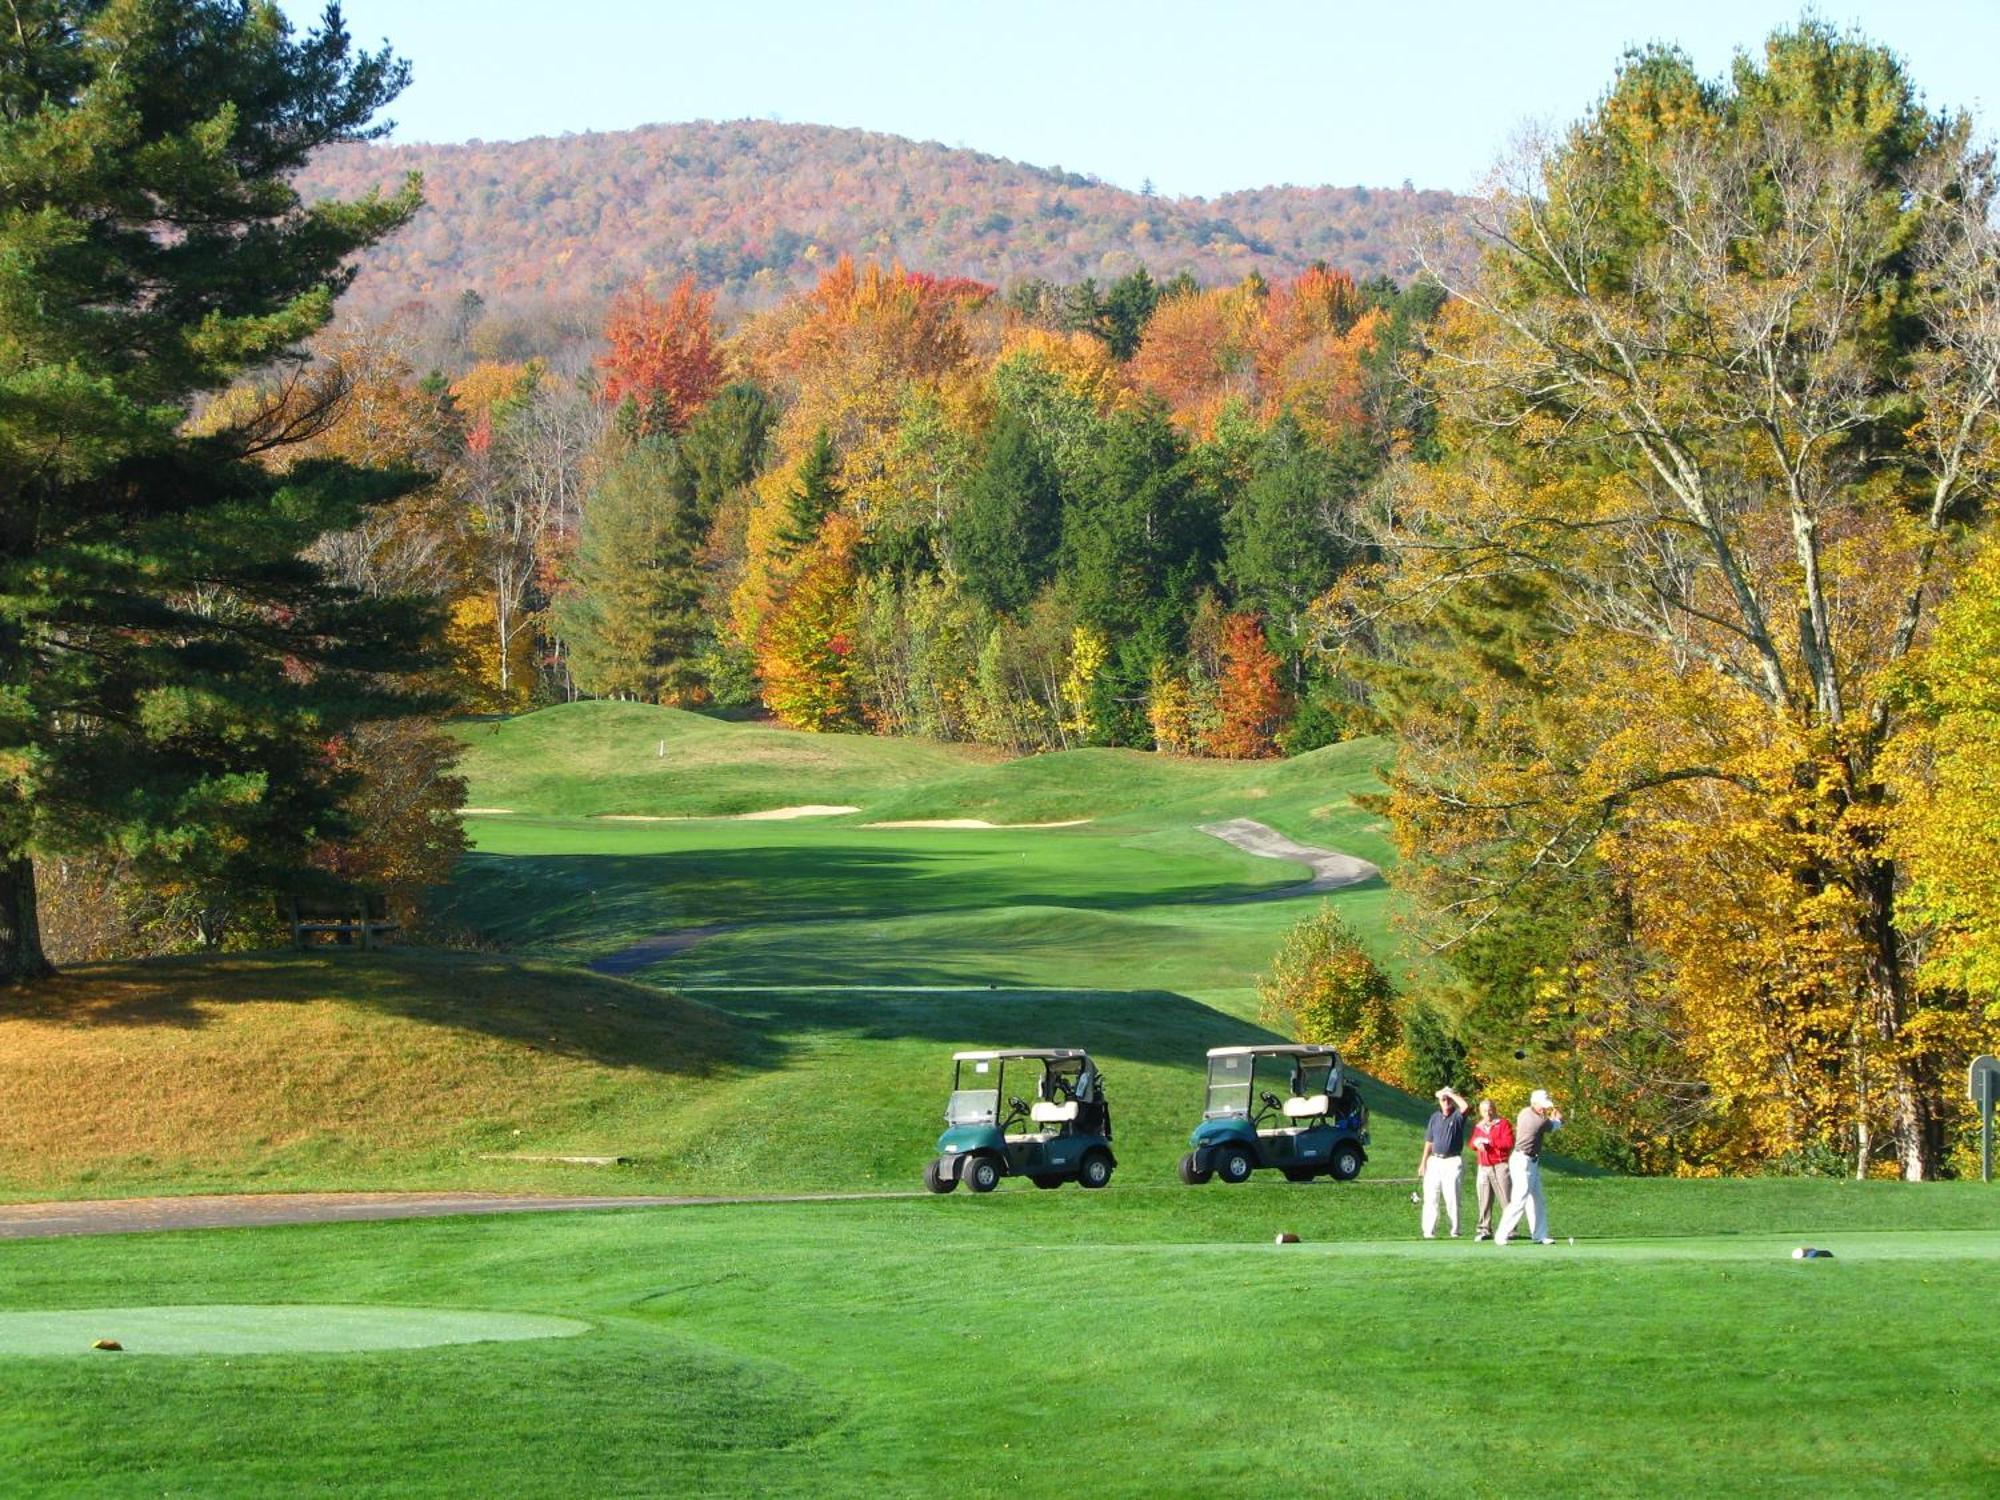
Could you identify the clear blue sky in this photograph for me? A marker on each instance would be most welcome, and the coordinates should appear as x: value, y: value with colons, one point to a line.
x: 1200, y: 98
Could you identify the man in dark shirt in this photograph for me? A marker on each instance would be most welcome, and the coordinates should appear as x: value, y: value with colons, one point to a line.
x: 1443, y: 1158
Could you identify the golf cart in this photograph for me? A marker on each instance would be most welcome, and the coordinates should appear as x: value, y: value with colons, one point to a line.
x: 1036, y: 1112
x: 1317, y: 1127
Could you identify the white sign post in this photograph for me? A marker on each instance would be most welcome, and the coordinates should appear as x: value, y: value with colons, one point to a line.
x: 1982, y: 1086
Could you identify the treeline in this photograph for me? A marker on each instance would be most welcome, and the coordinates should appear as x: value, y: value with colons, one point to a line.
x: 910, y: 505
x: 1685, y: 629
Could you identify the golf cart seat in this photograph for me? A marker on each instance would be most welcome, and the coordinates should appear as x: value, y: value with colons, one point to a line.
x: 1308, y: 1107
x: 1045, y: 1112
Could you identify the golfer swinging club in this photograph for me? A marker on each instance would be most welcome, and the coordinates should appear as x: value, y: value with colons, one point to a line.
x: 1524, y: 1169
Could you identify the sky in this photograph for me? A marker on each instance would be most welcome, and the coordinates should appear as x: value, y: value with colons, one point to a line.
x: 1196, y: 98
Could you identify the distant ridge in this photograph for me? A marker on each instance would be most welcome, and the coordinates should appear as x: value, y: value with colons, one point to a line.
x: 755, y: 209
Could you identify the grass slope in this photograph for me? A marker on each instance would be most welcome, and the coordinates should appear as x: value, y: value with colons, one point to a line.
x: 404, y: 1070
x: 593, y: 759
x: 1123, y: 1344
x: 1136, y: 897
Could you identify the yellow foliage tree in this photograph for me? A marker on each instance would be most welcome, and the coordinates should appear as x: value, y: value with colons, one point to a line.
x: 1721, y: 392
x: 1324, y: 988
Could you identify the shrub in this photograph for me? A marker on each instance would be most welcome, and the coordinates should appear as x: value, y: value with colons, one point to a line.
x: 1325, y: 988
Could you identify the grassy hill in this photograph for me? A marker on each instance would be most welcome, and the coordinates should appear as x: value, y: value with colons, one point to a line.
x: 757, y: 208
x: 806, y: 1049
x: 1136, y: 896
x: 598, y: 759
x: 411, y: 1069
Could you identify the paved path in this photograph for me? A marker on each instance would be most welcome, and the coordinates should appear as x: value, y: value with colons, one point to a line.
x: 34, y: 1221
x: 1331, y: 869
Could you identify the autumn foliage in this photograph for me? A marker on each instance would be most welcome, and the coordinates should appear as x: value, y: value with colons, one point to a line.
x: 1324, y: 988
x: 805, y: 650
x: 1250, y: 701
x: 662, y: 355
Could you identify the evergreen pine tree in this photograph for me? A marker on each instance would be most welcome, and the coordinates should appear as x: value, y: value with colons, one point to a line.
x: 1283, y: 551
x: 633, y: 620
x: 170, y: 666
x: 722, y: 449
x: 814, y: 498
x: 1127, y: 309
x: 1139, y: 540
x: 1005, y: 531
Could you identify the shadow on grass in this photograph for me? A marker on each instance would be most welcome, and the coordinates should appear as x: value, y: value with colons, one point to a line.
x: 543, y: 897
x: 1155, y: 1028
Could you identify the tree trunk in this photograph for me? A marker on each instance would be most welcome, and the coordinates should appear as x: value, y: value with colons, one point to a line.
x: 1864, y: 1140
x: 21, y: 957
x: 1912, y: 1125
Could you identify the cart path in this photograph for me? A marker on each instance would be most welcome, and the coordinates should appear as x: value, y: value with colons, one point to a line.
x: 47, y: 1221
x: 1331, y: 869
x: 34, y: 1221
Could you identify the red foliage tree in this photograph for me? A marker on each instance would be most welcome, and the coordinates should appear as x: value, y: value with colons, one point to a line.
x: 662, y: 354
x: 1249, y: 701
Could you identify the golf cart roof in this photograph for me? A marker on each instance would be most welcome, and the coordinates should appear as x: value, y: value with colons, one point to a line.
x: 1050, y: 1054
x: 1276, y: 1049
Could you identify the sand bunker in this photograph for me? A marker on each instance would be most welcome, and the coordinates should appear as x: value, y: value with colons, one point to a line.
x: 972, y: 823
x: 240, y: 1328
x: 484, y: 812
x: 1331, y: 869
x: 768, y: 815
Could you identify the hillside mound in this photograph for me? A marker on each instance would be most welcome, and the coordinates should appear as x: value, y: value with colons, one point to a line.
x: 756, y: 208
x: 633, y: 760
x: 356, y: 1070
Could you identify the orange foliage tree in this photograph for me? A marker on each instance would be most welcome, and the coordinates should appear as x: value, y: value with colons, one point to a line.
x: 806, y: 648
x: 662, y: 355
x: 1250, y: 704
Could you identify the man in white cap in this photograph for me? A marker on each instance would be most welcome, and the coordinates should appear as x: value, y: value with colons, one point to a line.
x: 1442, y: 1161
x: 1524, y: 1168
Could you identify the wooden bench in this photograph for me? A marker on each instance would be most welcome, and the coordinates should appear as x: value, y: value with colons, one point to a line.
x: 349, y: 920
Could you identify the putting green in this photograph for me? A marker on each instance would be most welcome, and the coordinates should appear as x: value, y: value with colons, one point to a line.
x: 226, y: 1328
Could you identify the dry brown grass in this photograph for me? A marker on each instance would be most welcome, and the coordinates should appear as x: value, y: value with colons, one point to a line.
x: 333, y: 1071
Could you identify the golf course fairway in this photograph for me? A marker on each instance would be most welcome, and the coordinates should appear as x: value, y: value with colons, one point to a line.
x: 776, y: 1008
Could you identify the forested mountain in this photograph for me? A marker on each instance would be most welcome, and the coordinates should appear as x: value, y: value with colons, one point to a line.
x: 756, y: 209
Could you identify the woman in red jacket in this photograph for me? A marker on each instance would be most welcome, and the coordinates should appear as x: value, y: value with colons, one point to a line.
x: 1492, y: 1139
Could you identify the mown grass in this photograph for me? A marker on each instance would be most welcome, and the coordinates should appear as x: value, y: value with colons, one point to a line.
x: 1128, y: 1343
x: 1137, y: 896
x: 409, y: 1070
x: 1146, y: 1340
x: 1135, y: 934
x: 594, y: 759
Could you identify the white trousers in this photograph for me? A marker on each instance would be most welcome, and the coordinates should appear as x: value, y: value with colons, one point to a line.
x: 1441, y: 1181
x: 1526, y: 1198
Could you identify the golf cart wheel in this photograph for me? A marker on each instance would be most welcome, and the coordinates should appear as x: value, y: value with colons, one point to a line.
x: 936, y: 1180
x: 1046, y: 1181
x: 980, y: 1173
x: 1300, y: 1174
x: 1346, y: 1164
x: 1095, y: 1169
x: 1233, y: 1165
x: 1191, y: 1174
